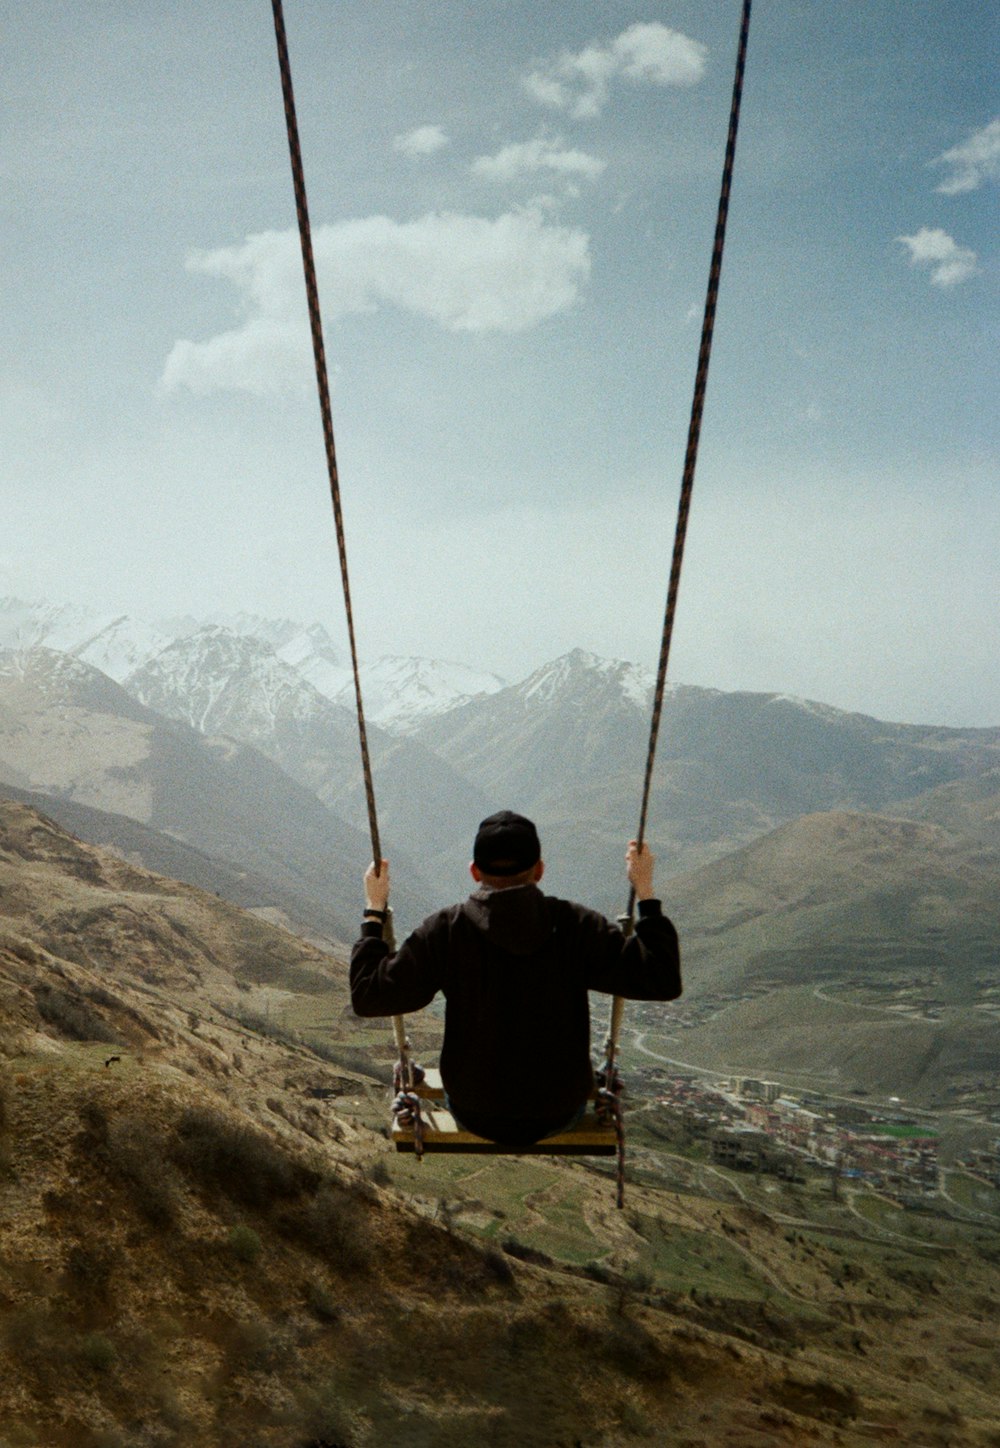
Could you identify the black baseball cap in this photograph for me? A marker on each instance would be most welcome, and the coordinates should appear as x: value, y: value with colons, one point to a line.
x: 506, y: 844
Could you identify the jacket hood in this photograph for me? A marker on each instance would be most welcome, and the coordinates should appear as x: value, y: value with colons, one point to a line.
x: 517, y: 920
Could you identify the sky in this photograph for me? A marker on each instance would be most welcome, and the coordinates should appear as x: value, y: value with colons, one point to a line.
x: 513, y: 207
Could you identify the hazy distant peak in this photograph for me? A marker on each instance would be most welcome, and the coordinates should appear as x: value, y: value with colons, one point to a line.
x: 400, y: 693
x: 309, y: 639
x: 208, y: 635
x: 826, y: 712
x: 58, y: 677
x: 581, y: 671
x: 220, y: 681
x: 64, y: 627
x: 276, y: 632
x: 44, y: 666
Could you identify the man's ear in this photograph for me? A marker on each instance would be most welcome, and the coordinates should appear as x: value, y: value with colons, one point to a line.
x: 539, y: 871
x: 476, y: 873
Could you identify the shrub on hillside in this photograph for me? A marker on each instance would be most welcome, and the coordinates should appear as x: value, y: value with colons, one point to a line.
x: 597, y: 1272
x: 98, y: 1352
x: 72, y: 1016
x: 497, y: 1268
x: 331, y: 1223
x: 819, y: 1398
x: 137, y: 1158
x: 241, y: 1162
x: 245, y: 1244
x: 36, y: 1338
x: 515, y: 1248
x: 89, y: 1273
x: 634, y: 1352
x: 321, y: 1302
x: 323, y: 1415
x: 253, y: 1345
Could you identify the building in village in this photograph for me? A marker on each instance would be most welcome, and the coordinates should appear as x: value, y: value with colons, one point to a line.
x: 751, y: 1127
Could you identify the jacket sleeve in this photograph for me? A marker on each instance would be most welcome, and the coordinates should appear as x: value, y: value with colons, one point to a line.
x: 383, y: 984
x: 645, y: 966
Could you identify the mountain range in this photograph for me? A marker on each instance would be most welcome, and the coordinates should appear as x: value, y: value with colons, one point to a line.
x: 69, y: 733
x: 399, y: 692
x: 797, y: 843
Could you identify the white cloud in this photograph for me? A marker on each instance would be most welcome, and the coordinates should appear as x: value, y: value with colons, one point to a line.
x: 653, y: 54
x: 976, y: 160
x: 645, y: 54
x: 424, y: 141
x: 528, y: 157
x: 949, y: 262
x: 466, y: 273
x: 261, y: 357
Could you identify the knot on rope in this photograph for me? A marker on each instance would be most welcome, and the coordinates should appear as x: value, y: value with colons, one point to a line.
x: 610, y: 1089
x: 608, y: 1110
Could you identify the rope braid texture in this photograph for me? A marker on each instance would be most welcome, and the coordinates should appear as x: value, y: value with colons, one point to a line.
x: 323, y: 388
x: 608, y: 1071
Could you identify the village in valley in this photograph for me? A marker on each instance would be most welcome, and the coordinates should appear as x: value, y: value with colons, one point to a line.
x: 751, y: 1124
x: 754, y: 1125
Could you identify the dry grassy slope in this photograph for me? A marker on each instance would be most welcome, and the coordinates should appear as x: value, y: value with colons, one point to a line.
x: 166, y: 855
x: 134, y: 927
x: 968, y: 807
x: 66, y: 729
x: 193, y: 1251
x: 828, y: 901
x: 837, y: 893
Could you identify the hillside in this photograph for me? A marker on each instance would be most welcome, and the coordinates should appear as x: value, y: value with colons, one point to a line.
x: 968, y: 807
x: 842, y: 894
x: 66, y: 729
x: 848, y: 951
x: 166, y: 855
x: 202, y: 1245
x: 567, y: 746
x: 220, y: 682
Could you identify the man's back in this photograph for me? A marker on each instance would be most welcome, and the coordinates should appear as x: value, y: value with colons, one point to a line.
x: 515, y: 967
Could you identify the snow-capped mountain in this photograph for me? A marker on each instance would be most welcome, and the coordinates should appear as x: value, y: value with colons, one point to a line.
x: 222, y: 682
x: 573, y: 722
x: 567, y: 745
x: 57, y: 626
x: 121, y: 646
x: 580, y: 671
x: 398, y: 693
x: 116, y: 644
x: 312, y: 652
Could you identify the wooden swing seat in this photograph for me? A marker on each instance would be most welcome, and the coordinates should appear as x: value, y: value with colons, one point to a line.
x: 589, y: 1137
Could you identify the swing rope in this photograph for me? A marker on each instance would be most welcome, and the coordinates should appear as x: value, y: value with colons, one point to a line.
x: 609, y: 1089
x: 405, y: 1066
x: 609, y: 1082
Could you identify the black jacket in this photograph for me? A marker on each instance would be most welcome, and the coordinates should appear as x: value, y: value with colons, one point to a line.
x: 515, y: 967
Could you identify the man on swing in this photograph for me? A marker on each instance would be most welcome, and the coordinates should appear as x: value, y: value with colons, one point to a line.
x: 515, y: 967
